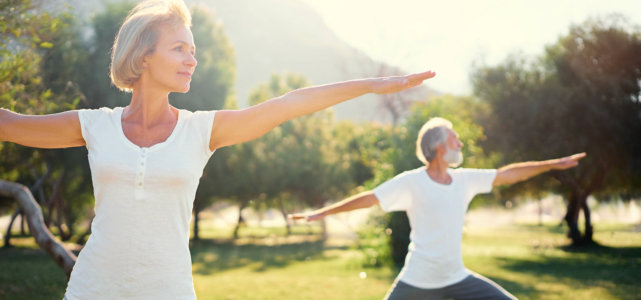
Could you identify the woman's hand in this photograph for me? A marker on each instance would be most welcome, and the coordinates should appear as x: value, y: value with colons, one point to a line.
x: 393, y: 84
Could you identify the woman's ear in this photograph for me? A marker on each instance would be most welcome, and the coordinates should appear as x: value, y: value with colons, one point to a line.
x: 145, y: 61
x: 146, y: 58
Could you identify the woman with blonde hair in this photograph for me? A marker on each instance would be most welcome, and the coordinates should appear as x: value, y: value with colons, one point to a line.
x: 146, y: 158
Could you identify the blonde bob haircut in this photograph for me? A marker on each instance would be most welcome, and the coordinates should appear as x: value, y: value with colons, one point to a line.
x: 138, y: 35
x: 432, y: 134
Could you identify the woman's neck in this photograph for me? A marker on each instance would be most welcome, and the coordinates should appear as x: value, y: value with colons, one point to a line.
x: 149, y: 107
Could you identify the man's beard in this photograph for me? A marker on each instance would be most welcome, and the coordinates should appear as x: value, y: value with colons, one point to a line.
x: 453, y: 157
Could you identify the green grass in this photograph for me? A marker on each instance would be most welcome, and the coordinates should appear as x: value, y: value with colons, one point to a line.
x: 530, y: 261
x: 26, y: 272
x: 534, y: 262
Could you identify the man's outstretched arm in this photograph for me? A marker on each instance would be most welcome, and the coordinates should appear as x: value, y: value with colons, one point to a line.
x: 516, y: 172
x: 362, y: 200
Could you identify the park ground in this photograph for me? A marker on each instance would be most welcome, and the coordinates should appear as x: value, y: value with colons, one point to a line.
x: 530, y: 257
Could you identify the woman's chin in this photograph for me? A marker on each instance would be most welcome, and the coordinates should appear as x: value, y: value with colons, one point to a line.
x: 183, y: 90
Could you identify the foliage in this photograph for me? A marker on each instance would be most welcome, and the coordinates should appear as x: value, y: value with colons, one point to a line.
x: 374, y: 242
x: 211, y: 89
x: 213, y: 79
x: 582, y: 96
x: 96, y: 84
x: 303, y: 158
x: 40, y: 53
x: 23, y: 36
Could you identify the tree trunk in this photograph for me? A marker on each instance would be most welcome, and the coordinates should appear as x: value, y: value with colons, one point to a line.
x: 540, y: 207
x: 240, y: 219
x: 576, y: 203
x: 38, y: 188
x: 283, y: 212
x: 578, y: 200
x: 63, y: 257
x: 572, y: 219
x: 7, y: 237
x: 324, y: 229
x: 23, y: 232
x: 61, y: 217
x: 587, y: 235
x: 196, y: 220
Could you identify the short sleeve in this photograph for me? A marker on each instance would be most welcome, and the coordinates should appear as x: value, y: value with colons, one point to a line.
x: 479, y: 181
x: 204, y: 122
x: 87, y: 118
x: 394, y: 194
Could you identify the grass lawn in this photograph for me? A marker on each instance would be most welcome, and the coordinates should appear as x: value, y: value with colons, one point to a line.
x: 529, y: 261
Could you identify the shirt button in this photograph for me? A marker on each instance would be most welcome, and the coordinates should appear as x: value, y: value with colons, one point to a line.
x: 139, y: 183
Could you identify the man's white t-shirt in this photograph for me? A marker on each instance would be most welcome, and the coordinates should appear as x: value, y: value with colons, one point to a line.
x: 436, y: 213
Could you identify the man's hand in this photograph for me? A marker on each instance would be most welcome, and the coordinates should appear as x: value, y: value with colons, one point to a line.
x: 568, y: 161
x: 516, y: 172
x: 307, y: 217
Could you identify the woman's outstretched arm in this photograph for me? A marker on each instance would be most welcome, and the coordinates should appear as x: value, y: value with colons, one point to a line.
x: 237, y: 126
x: 61, y: 130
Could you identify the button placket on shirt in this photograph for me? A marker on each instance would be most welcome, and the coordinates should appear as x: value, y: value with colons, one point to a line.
x: 140, y: 173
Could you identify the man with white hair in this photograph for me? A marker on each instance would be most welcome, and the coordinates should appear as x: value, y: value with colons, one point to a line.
x: 436, y: 197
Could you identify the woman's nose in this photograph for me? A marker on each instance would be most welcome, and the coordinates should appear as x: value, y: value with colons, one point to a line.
x: 191, y: 60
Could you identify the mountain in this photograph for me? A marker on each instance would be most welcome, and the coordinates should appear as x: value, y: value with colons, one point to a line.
x: 278, y: 36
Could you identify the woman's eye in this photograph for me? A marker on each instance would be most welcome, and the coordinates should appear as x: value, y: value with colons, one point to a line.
x: 179, y: 48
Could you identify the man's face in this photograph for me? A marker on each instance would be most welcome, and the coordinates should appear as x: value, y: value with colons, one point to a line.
x: 453, y: 155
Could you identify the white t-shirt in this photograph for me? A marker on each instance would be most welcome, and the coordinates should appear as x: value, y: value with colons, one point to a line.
x: 139, y: 245
x: 436, y: 213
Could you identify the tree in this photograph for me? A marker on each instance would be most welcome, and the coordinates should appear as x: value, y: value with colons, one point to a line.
x: 95, y: 83
x: 29, y: 42
x: 211, y: 89
x: 63, y: 257
x: 301, y: 156
x: 67, y: 194
x: 583, y: 95
x: 36, y: 50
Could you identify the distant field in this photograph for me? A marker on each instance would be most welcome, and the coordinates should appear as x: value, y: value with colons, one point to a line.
x: 528, y: 260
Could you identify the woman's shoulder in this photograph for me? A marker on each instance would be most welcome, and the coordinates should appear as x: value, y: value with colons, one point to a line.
x: 199, y: 117
x: 196, y: 113
x: 99, y: 111
x: 92, y: 115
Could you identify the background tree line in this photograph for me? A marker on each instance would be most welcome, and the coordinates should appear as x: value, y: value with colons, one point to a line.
x: 582, y: 94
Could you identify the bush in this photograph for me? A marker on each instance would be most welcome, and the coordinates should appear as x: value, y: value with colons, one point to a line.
x: 374, y: 240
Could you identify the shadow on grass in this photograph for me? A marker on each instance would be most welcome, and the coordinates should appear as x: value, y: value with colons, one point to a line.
x: 29, y: 273
x: 513, y: 287
x: 211, y: 256
x: 592, y: 265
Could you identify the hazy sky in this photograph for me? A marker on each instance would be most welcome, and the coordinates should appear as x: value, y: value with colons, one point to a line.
x: 447, y: 36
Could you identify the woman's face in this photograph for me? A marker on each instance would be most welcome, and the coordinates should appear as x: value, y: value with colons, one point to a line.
x: 172, y: 63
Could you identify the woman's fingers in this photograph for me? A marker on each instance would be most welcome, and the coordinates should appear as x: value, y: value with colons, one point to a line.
x: 395, y: 84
